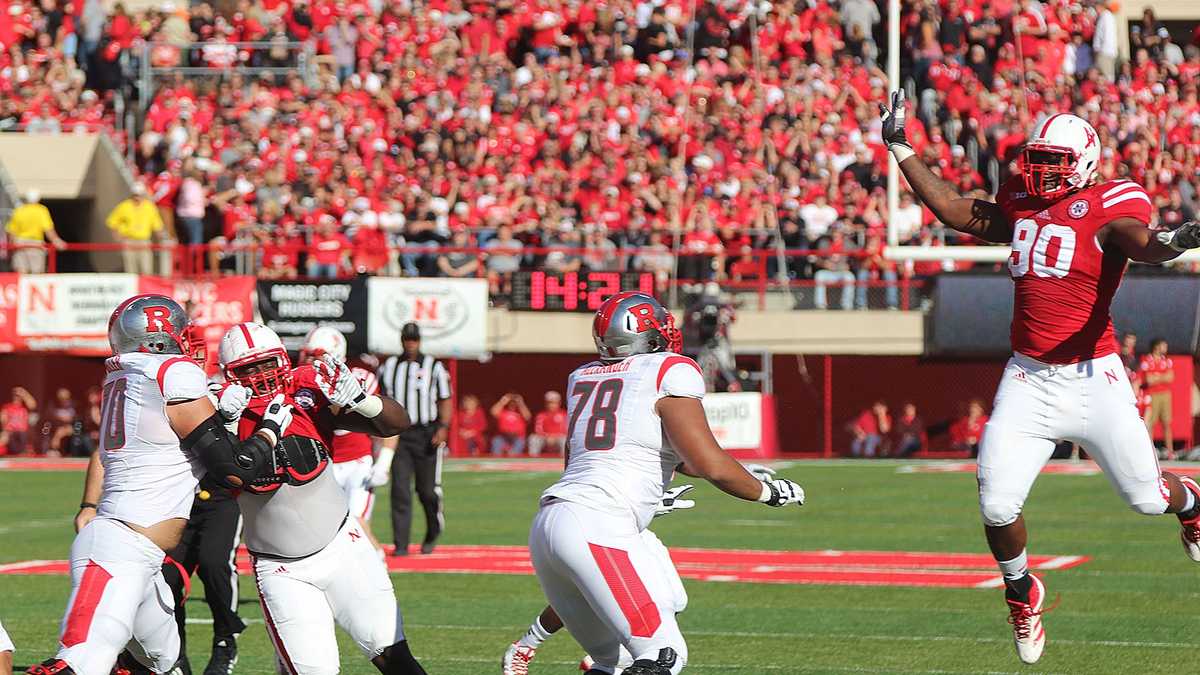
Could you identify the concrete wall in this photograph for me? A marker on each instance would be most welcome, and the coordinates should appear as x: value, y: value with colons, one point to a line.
x: 781, y: 332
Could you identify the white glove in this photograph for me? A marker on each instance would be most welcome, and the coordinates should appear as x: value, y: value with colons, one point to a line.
x: 760, y: 471
x: 342, y: 388
x: 276, y: 418
x: 671, y: 500
x: 780, y: 492
x: 232, y: 402
x: 381, y: 471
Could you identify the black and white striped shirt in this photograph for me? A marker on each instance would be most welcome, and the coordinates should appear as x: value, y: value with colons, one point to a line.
x: 417, y: 385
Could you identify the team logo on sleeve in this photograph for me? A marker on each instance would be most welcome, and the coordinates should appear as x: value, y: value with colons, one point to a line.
x: 305, y: 398
x: 1078, y: 208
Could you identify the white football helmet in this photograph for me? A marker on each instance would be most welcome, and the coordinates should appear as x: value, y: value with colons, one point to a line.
x: 1062, y: 155
x: 323, y: 340
x: 253, y: 356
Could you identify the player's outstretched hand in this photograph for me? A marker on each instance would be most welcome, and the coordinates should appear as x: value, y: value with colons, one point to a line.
x: 1182, y: 238
x: 781, y: 492
x: 379, y: 476
x: 277, y: 417
x: 233, y: 401
x: 671, y: 500
x: 761, y: 471
x: 338, y: 384
x: 893, y: 120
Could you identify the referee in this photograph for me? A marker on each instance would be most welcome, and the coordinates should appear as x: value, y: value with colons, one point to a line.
x: 421, y: 384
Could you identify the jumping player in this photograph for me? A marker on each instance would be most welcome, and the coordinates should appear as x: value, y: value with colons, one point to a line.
x: 354, y: 466
x: 1071, y: 239
x: 313, y: 565
x: 635, y: 415
x: 159, y: 433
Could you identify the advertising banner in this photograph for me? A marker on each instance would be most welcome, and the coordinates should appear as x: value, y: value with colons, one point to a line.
x: 9, y: 340
x: 452, y: 314
x: 69, y: 312
x: 213, y: 304
x: 293, y: 308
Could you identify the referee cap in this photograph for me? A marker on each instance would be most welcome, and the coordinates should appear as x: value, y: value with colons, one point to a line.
x: 410, y: 331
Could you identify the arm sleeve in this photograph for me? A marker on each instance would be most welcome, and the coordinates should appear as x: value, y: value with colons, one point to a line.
x: 679, y: 376
x: 1127, y: 200
x: 180, y: 379
x: 443, y: 381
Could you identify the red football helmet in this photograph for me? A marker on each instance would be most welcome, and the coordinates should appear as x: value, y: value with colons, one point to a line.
x: 253, y: 356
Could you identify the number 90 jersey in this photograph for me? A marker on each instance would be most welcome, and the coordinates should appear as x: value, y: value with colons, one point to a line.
x: 618, y: 457
x: 1064, y: 282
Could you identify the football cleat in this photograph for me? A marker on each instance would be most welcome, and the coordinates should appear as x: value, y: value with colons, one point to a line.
x: 1026, y: 618
x: 51, y: 667
x: 1189, y: 532
x: 586, y: 663
x: 224, y: 656
x: 516, y: 659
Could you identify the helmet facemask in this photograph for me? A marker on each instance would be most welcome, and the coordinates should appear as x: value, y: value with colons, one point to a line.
x: 265, y: 373
x: 194, y: 344
x: 1048, y: 170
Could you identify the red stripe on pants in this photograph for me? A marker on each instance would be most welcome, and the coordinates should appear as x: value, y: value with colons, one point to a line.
x: 87, y: 599
x: 287, y: 660
x: 628, y: 589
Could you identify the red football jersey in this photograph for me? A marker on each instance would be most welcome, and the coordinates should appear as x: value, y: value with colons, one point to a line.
x: 311, y: 414
x: 1064, y: 282
x: 351, y: 445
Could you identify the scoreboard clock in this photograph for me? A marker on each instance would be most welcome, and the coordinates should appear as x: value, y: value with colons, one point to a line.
x: 573, y: 291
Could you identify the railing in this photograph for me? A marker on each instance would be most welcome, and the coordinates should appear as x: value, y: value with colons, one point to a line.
x: 758, y: 278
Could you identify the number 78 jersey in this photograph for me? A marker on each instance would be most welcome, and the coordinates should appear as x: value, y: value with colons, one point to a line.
x: 1064, y: 282
x: 618, y: 457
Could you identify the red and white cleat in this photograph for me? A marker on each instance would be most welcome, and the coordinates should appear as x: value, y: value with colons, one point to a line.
x: 586, y: 664
x: 1026, y: 618
x: 1189, y: 532
x: 516, y: 659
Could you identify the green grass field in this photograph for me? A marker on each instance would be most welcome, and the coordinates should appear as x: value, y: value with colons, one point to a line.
x: 1131, y: 609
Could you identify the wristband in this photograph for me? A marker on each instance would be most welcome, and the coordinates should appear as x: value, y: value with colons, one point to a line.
x: 766, y: 493
x: 86, y: 505
x: 901, y: 151
x: 369, y: 407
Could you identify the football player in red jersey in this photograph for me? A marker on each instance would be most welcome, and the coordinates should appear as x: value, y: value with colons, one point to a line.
x: 1071, y: 239
x: 312, y: 563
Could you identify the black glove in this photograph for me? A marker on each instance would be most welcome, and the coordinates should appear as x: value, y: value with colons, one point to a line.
x: 1186, y: 236
x: 893, y: 121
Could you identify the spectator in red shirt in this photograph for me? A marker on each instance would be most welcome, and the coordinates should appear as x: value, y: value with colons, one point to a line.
x: 512, y: 420
x: 1157, y: 374
x: 329, y: 250
x: 549, y: 427
x: 967, y: 431
x: 472, y: 426
x: 16, y: 416
x: 869, y: 429
x: 909, y: 432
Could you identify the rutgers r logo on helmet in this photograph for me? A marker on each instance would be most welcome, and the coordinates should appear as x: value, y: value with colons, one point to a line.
x: 634, y: 323
x: 152, y: 324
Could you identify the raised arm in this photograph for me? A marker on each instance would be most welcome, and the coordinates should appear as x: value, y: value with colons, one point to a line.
x: 976, y: 217
x: 1138, y: 242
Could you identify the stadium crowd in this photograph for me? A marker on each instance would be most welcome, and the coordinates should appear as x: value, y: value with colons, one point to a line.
x: 577, y: 129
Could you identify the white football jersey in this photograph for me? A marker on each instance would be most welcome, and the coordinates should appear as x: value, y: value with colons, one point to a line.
x: 148, y: 478
x: 618, y: 456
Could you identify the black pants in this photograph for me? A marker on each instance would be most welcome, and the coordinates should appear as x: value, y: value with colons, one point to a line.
x: 416, y: 458
x: 207, y: 549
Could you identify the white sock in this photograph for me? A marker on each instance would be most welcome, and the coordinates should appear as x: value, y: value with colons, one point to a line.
x: 535, y: 636
x: 1191, y: 500
x: 1016, y: 568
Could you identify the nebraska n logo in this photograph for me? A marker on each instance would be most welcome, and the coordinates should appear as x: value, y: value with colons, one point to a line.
x: 1112, y: 377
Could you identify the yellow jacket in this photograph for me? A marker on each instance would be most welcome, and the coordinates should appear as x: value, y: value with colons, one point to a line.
x: 30, y: 222
x: 135, y: 220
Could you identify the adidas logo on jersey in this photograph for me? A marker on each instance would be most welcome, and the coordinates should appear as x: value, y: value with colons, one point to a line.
x: 281, y: 570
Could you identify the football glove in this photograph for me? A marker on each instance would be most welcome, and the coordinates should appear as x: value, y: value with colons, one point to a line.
x: 276, y: 418
x: 343, y: 389
x: 233, y: 401
x: 780, y: 492
x: 381, y: 470
x: 760, y: 471
x: 893, y: 122
x: 671, y: 500
x: 1186, y: 236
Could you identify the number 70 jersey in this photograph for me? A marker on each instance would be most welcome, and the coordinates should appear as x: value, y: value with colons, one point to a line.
x: 1064, y: 282
x: 618, y: 457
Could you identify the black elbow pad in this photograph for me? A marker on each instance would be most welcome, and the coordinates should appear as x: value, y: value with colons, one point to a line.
x: 231, y: 462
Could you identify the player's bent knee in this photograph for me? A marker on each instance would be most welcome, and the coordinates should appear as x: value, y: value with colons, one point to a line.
x: 1154, y: 508
x: 999, y: 514
x: 668, y: 662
